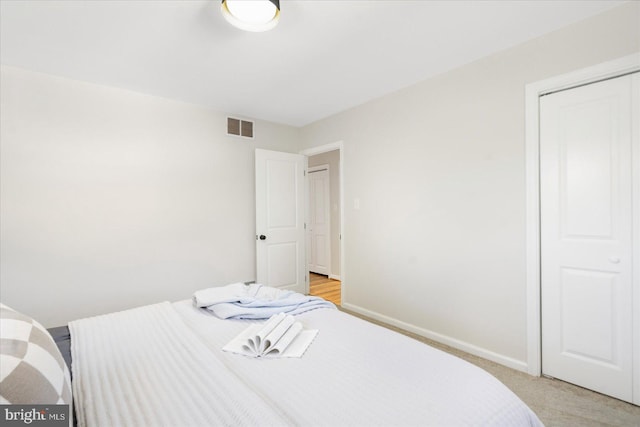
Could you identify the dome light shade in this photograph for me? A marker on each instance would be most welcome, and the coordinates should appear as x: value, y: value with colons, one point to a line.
x: 252, y: 15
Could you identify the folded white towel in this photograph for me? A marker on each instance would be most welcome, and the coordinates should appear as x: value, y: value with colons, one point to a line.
x: 280, y: 336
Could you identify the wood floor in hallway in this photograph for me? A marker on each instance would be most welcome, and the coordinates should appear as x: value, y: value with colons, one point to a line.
x: 324, y: 287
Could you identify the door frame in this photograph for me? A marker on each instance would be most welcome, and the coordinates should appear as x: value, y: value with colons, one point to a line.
x: 533, y: 91
x: 338, y: 145
x: 327, y: 211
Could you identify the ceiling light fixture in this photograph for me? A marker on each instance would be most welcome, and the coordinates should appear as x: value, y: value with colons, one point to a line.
x: 252, y: 15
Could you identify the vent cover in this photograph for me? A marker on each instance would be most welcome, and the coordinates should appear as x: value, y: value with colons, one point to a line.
x: 238, y: 127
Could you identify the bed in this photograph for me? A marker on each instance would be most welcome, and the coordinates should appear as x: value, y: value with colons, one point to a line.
x: 162, y: 364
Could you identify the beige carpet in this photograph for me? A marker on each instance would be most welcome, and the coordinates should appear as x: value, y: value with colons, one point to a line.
x: 557, y: 404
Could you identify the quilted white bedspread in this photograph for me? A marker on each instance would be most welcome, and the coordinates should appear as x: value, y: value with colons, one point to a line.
x: 144, y: 367
x: 171, y: 370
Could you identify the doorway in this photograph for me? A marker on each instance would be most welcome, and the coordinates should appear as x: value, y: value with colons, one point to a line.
x: 326, y: 212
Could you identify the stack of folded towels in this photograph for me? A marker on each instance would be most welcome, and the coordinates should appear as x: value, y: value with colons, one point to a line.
x: 279, y: 337
x: 255, y: 301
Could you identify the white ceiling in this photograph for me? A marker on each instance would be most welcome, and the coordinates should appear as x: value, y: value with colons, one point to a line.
x: 322, y: 58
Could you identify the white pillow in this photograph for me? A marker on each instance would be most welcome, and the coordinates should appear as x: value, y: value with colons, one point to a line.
x: 32, y: 370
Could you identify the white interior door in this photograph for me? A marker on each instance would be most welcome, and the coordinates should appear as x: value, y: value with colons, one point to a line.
x: 280, y: 248
x: 586, y: 190
x: 319, y: 221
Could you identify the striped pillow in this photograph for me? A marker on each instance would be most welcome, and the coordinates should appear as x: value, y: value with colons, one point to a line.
x: 32, y: 370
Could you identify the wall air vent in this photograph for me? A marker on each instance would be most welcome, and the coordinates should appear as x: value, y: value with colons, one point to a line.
x: 238, y: 127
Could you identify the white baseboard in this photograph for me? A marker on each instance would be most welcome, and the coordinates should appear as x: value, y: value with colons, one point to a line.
x: 334, y: 276
x: 443, y: 339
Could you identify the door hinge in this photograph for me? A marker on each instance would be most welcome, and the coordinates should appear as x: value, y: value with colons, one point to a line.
x: 304, y: 173
x: 305, y: 225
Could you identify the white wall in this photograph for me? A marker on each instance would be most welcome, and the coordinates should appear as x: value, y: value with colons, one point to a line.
x: 438, y: 244
x: 113, y: 199
x: 332, y: 158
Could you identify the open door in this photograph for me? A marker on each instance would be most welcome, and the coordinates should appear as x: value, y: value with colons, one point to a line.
x: 280, y: 239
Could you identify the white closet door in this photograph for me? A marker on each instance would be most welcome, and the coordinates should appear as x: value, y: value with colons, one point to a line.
x: 586, y: 177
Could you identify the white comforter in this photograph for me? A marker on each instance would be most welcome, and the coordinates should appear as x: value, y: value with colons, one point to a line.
x: 163, y: 365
